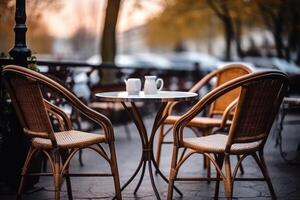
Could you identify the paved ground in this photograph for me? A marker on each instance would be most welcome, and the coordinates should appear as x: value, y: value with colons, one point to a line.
x: 285, y: 177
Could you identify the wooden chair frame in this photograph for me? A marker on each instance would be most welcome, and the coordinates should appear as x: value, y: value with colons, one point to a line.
x: 213, y: 110
x: 59, y: 157
x: 218, y: 158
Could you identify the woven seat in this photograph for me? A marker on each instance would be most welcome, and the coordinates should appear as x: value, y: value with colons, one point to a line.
x: 261, y: 94
x: 217, y: 143
x: 29, y: 91
x: 218, y: 112
x: 69, y: 139
x: 199, y: 122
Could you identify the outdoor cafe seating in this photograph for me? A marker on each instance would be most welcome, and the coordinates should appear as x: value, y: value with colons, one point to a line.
x: 25, y: 88
x: 259, y: 101
x: 257, y: 97
x: 206, y: 124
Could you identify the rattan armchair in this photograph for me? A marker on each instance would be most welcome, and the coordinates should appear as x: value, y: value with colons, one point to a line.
x: 257, y: 106
x: 25, y: 88
x: 222, y: 106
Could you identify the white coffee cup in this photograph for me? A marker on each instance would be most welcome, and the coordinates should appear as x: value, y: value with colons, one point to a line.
x: 133, y: 86
x: 151, y: 84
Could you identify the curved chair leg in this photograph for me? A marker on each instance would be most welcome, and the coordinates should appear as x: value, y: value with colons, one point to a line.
x: 220, y: 160
x: 206, y: 161
x: 159, y: 144
x: 69, y: 186
x: 80, y: 158
x: 30, y: 154
x: 228, y: 181
x: 241, y: 165
x: 173, y: 173
x: 263, y: 167
x: 208, y: 168
x: 75, y: 116
x: 114, y: 171
x: 65, y: 155
x: 182, y: 153
x: 57, y: 175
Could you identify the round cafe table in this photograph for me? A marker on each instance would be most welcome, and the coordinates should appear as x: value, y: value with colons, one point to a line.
x: 162, y: 97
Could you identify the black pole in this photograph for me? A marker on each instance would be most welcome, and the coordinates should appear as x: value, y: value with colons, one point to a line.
x: 12, y: 132
x: 20, y: 52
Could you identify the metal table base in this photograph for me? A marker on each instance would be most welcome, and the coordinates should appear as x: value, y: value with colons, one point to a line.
x: 147, y: 145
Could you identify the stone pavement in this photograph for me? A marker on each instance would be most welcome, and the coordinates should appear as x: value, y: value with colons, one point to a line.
x: 285, y: 177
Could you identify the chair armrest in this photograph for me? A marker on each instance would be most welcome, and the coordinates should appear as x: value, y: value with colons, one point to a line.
x: 60, y: 115
x: 227, y: 112
x: 93, y: 115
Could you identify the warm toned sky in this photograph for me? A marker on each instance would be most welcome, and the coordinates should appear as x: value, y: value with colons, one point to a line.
x: 90, y: 14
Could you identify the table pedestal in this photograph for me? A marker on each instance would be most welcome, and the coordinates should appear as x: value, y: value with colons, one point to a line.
x: 147, y: 145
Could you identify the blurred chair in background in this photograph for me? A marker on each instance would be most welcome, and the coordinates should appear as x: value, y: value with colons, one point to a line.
x: 290, y: 106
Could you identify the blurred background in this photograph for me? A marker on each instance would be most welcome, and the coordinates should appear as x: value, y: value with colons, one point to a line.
x: 160, y: 33
x: 93, y: 45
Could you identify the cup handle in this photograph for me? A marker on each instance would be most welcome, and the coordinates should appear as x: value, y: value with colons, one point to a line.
x: 161, y: 83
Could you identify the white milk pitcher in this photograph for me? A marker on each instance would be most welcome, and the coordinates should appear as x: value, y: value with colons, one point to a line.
x: 133, y: 86
x: 151, y: 83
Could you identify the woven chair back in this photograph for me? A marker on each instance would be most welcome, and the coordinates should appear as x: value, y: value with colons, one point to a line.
x: 236, y: 70
x: 257, y: 107
x: 28, y: 102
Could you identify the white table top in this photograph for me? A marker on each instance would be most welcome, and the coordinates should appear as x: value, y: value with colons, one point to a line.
x: 161, y: 96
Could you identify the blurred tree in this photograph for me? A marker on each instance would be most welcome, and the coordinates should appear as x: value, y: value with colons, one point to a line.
x: 108, y: 42
x: 179, y: 21
x: 222, y: 10
x: 282, y: 19
x: 293, y: 31
x: 191, y: 19
x: 272, y: 12
x: 244, y: 17
x: 236, y: 16
x: 6, y: 25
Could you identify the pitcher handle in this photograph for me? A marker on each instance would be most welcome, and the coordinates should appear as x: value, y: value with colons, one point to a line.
x: 161, y: 83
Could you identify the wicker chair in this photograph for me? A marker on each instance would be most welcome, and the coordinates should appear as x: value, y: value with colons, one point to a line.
x: 259, y: 101
x: 205, y: 125
x: 25, y: 88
